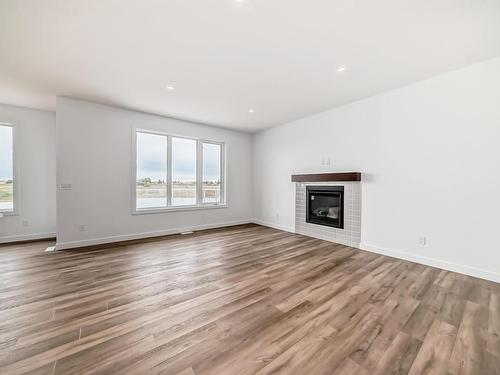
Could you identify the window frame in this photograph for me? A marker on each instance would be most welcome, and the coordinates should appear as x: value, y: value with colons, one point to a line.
x: 199, y: 174
x: 15, y: 172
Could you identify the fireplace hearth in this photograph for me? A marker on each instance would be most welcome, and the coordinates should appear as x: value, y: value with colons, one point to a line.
x: 325, y: 205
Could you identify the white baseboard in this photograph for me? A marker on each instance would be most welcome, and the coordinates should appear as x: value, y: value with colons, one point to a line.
x: 137, y: 236
x: 275, y: 226
x: 26, y: 237
x: 433, y: 262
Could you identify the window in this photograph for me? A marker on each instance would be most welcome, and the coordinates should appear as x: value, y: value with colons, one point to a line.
x: 151, y: 182
x: 183, y: 172
x: 7, y: 181
x: 212, y: 157
x: 174, y: 172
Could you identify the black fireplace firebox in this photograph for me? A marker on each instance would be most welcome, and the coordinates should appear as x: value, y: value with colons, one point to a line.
x: 325, y: 205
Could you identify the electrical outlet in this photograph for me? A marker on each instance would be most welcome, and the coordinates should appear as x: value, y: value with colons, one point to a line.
x: 326, y: 161
x: 82, y: 227
x: 422, y: 240
x: 25, y: 223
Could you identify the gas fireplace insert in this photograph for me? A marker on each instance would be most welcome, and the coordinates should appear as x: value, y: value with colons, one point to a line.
x: 325, y: 205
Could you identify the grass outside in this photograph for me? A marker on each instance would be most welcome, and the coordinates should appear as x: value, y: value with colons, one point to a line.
x: 155, y: 190
x: 6, y: 193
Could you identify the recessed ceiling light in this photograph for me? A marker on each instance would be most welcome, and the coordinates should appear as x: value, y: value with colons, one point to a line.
x: 251, y: 110
x: 170, y: 87
x: 341, y: 69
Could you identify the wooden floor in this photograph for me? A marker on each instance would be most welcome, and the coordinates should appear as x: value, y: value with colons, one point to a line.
x: 240, y: 300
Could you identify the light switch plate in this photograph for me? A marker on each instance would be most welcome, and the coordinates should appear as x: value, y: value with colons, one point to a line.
x: 65, y: 186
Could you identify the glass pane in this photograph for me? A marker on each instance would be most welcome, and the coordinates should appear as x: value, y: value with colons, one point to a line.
x: 6, y: 169
x: 151, y: 184
x: 211, y: 173
x: 183, y: 171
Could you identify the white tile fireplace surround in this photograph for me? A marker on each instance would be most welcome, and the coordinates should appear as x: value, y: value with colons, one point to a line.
x: 351, y: 233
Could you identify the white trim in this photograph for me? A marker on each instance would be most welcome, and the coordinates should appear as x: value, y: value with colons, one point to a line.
x: 274, y: 225
x: 26, y: 237
x: 433, y: 262
x: 136, y: 236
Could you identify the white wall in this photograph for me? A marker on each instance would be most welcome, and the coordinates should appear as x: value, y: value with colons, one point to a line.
x: 430, y: 157
x: 94, y: 146
x: 36, y: 161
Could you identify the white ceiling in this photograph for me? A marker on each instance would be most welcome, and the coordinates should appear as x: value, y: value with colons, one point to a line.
x: 278, y: 57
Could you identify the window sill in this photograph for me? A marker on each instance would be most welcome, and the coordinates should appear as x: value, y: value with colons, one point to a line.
x: 178, y: 209
x: 8, y: 213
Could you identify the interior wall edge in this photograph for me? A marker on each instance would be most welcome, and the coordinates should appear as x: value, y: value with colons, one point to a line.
x: 274, y: 225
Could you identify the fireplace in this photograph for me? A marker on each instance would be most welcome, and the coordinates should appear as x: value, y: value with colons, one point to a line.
x: 325, y: 205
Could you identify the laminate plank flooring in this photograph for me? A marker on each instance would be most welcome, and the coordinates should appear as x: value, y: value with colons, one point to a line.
x: 240, y: 300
